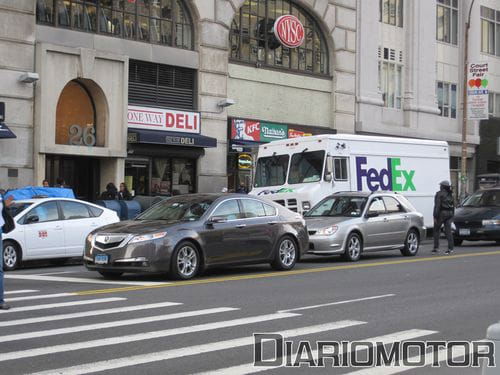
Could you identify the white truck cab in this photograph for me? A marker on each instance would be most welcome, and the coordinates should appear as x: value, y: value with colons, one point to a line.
x: 298, y: 173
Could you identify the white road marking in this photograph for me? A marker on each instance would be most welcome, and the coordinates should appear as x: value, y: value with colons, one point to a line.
x: 81, y: 280
x: 63, y: 304
x: 117, y: 323
x: 21, y: 291
x: 41, y: 296
x: 442, y: 355
x: 84, y: 314
x: 52, y: 273
x: 117, y: 363
x: 249, y: 368
x: 338, y: 303
x: 140, y: 336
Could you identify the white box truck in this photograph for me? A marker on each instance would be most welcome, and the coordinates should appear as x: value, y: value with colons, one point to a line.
x: 299, y: 172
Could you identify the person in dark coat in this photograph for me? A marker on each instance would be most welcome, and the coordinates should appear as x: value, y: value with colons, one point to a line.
x: 111, y: 192
x: 444, y: 209
x: 124, y: 194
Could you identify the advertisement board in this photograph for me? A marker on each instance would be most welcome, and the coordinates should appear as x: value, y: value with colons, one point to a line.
x: 477, y: 91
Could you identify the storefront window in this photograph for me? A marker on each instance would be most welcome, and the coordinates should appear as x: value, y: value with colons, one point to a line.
x: 156, y: 21
x: 271, y: 170
x: 306, y: 167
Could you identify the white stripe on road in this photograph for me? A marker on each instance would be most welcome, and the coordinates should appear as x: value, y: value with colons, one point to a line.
x: 41, y: 296
x: 21, y: 291
x: 63, y: 304
x: 117, y: 363
x: 140, y: 337
x: 84, y: 314
x: 338, y: 303
x: 80, y: 280
x: 117, y: 323
x: 249, y: 368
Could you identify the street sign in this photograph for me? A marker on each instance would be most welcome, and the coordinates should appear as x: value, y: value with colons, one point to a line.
x: 477, y: 91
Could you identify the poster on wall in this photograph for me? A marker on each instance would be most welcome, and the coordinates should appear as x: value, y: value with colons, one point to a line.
x: 245, y: 130
x: 477, y: 91
x: 292, y: 133
x: 272, y: 132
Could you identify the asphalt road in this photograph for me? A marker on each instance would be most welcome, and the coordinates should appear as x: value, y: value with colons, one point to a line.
x: 66, y: 320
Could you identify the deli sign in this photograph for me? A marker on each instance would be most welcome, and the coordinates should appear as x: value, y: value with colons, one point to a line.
x: 163, y: 119
x: 289, y: 31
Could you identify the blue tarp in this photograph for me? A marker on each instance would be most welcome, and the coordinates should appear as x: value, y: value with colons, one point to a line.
x: 28, y: 192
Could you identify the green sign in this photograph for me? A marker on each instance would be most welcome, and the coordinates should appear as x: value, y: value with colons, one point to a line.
x: 272, y: 132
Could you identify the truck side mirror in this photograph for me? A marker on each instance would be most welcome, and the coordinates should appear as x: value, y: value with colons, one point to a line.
x: 329, y: 169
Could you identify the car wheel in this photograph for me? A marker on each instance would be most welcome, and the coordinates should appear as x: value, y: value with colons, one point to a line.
x: 185, y: 261
x: 354, y: 247
x: 110, y: 274
x: 11, y: 256
x: 412, y: 243
x: 458, y: 241
x: 285, y: 254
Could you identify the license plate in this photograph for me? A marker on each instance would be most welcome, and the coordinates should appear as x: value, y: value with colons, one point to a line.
x: 101, y: 259
x: 464, y: 232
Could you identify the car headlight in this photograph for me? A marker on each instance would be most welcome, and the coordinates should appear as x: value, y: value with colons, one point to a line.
x: 328, y: 231
x: 148, y: 237
x: 306, y: 206
x: 90, y: 237
x: 491, y: 222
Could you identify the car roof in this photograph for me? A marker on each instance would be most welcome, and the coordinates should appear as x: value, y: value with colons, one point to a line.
x: 364, y: 193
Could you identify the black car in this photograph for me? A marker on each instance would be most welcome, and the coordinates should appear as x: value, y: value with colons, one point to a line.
x: 479, y: 217
x: 185, y: 234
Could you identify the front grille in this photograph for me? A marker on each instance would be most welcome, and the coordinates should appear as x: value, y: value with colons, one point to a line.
x: 281, y: 201
x: 109, y: 241
x: 292, y: 202
x: 312, y: 232
x: 468, y: 224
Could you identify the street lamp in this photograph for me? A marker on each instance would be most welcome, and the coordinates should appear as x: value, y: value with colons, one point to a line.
x: 463, y: 171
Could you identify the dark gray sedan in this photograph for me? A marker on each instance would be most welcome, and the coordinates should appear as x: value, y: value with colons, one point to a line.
x: 186, y: 234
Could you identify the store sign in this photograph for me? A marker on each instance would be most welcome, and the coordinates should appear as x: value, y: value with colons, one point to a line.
x: 245, y: 161
x: 272, y: 132
x: 163, y: 119
x: 289, y: 31
x: 245, y: 130
x: 292, y: 133
x: 477, y: 91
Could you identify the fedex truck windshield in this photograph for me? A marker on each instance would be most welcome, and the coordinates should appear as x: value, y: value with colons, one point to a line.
x: 305, y: 167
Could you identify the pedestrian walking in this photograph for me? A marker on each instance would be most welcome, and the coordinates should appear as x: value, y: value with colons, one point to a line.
x: 6, y: 225
x: 444, y: 209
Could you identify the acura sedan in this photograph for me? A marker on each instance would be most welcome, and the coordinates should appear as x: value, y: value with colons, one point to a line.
x: 352, y: 223
x: 186, y: 234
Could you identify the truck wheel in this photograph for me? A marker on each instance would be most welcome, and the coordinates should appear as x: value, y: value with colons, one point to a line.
x: 285, y: 254
x: 412, y: 243
x: 354, y: 247
x: 11, y: 256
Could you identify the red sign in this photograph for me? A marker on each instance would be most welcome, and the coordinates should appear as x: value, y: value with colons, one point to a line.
x: 245, y: 130
x: 163, y: 119
x: 297, y: 133
x: 289, y: 31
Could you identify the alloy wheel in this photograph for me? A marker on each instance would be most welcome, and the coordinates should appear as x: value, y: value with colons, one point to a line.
x: 187, y: 261
x: 287, y: 252
x: 10, y: 256
x: 412, y: 242
x: 354, y: 247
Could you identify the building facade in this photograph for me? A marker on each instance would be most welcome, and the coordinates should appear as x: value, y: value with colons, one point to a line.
x: 111, y: 72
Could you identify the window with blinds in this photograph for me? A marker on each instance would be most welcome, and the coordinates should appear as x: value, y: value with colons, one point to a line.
x: 160, y: 85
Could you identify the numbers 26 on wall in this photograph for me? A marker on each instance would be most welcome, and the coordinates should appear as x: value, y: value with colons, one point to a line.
x: 79, y: 135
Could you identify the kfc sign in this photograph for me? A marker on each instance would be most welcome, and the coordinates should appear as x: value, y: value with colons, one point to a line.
x: 245, y: 130
x: 289, y: 31
x: 163, y: 119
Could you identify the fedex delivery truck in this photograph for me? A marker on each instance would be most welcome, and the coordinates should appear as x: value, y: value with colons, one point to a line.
x: 298, y: 173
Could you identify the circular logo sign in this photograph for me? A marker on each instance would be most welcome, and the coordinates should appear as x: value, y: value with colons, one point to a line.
x: 289, y: 31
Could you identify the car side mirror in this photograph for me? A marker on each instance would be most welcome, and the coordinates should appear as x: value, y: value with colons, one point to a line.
x: 328, y: 177
x: 370, y: 214
x: 32, y: 219
x: 329, y: 168
x: 217, y: 220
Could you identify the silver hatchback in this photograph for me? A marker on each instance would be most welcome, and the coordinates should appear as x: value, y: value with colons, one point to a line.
x: 351, y: 223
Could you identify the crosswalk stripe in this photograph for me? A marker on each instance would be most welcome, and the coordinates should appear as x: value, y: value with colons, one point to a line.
x: 249, y: 368
x: 117, y: 363
x: 442, y: 355
x: 41, y: 296
x: 84, y: 314
x: 20, y: 291
x: 117, y: 323
x: 63, y: 304
x: 83, y: 280
x: 141, y: 336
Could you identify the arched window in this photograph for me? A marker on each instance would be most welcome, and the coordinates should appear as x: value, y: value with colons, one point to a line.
x: 252, y: 39
x: 155, y: 21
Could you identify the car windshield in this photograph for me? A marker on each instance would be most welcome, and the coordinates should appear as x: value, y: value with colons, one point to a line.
x: 339, y: 206
x: 483, y: 199
x: 306, y: 167
x: 17, y: 207
x: 271, y: 170
x: 177, y: 210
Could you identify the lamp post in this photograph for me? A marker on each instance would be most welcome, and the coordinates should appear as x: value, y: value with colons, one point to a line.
x: 463, y: 169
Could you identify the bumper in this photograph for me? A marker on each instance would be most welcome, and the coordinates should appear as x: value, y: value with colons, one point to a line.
x: 325, y: 245
x: 478, y: 234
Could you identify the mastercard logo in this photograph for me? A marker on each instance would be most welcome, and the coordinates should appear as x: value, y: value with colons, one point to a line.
x: 478, y: 82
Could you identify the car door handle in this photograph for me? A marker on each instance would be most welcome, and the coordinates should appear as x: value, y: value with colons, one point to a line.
x: 58, y: 227
x: 241, y: 226
x: 273, y: 222
x: 94, y: 225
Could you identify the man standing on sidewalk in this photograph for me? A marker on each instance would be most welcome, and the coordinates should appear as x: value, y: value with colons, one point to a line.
x: 3, y: 204
x: 444, y: 209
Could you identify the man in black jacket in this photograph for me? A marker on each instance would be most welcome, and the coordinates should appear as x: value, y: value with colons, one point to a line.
x: 444, y: 209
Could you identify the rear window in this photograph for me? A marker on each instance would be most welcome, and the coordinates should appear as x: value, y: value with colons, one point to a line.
x: 96, y: 212
x: 74, y: 210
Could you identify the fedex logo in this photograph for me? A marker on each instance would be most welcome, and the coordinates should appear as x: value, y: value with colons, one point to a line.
x: 391, y: 178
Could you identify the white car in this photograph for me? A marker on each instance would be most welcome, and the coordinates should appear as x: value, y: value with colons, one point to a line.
x: 51, y: 228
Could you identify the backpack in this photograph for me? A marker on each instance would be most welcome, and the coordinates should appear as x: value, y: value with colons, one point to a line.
x: 447, y: 202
